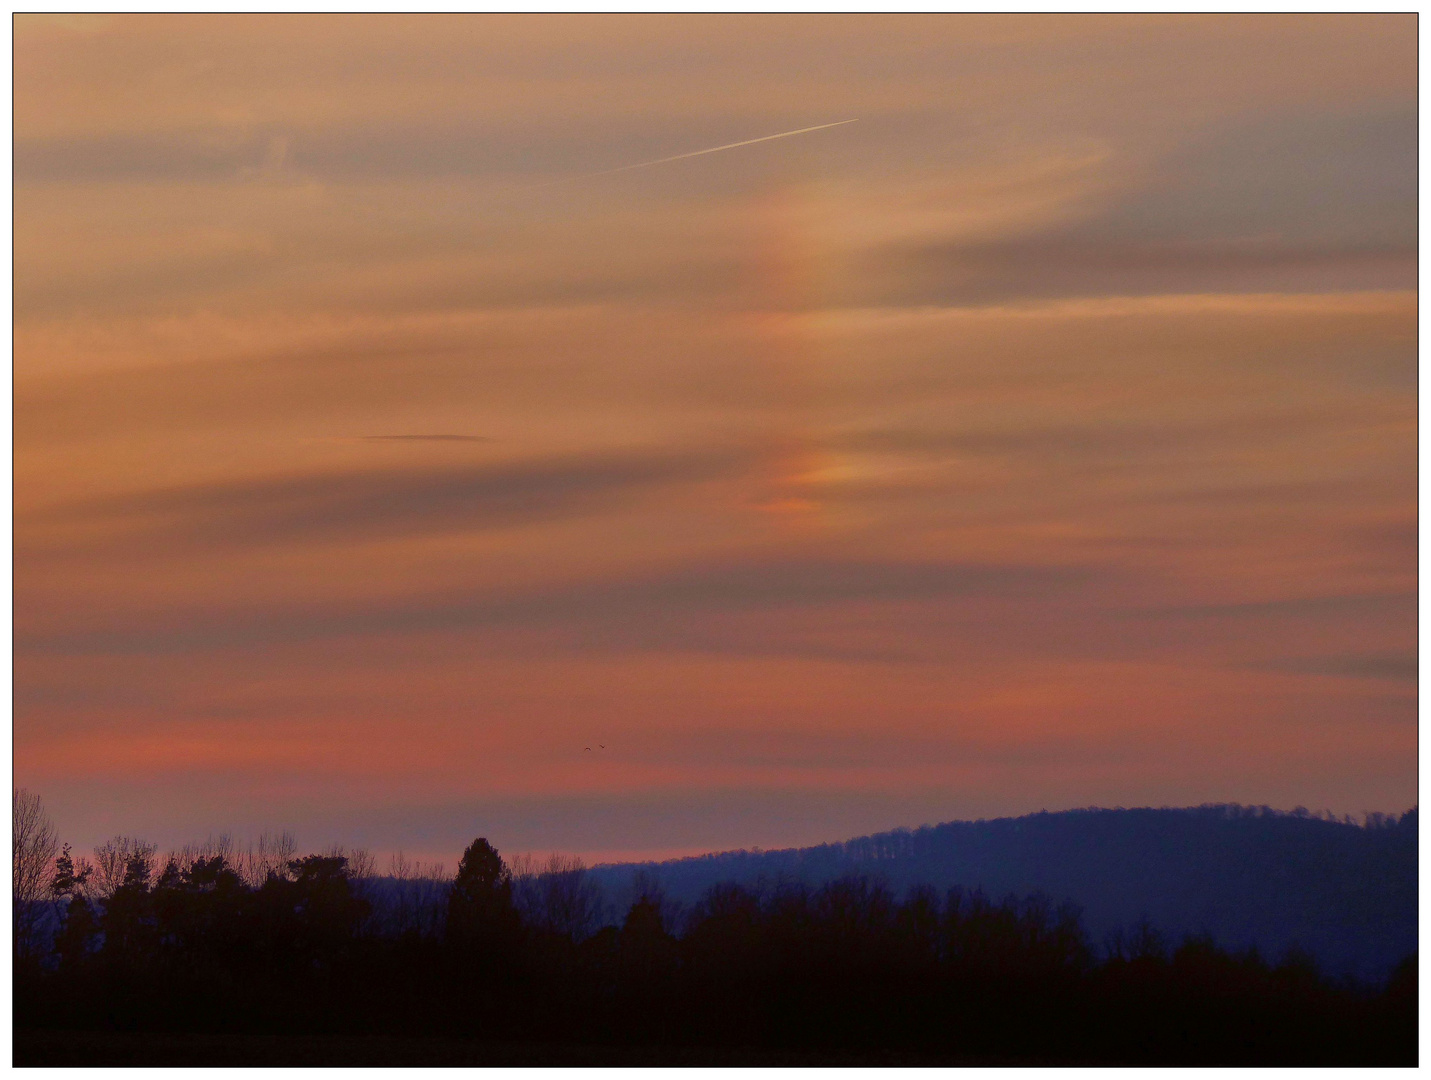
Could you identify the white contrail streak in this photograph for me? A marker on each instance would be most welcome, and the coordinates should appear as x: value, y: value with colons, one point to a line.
x: 699, y: 153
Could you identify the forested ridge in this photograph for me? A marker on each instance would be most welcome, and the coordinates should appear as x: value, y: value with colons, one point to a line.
x: 267, y: 942
x: 1343, y: 892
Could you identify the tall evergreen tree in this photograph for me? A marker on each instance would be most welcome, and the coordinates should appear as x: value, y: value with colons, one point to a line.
x: 480, y: 910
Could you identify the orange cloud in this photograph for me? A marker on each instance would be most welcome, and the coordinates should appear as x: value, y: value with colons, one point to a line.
x: 1046, y: 438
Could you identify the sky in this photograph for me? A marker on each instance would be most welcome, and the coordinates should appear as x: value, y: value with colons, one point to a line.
x: 1044, y: 438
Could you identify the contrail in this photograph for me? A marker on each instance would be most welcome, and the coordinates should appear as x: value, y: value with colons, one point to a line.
x: 699, y: 153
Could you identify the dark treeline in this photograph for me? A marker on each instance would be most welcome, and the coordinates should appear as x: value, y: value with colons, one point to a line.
x: 1343, y: 892
x: 195, y: 945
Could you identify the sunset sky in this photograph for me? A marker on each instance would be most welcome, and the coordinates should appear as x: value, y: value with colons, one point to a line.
x: 1045, y: 438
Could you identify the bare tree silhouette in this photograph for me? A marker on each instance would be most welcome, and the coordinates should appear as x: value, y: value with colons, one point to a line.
x: 35, y: 843
x: 114, y: 861
x: 267, y: 858
x: 557, y: 896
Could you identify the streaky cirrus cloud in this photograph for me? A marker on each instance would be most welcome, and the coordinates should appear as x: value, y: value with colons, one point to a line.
x: 687, y: 593
x: 1047, y: 438
x: 356, y: 505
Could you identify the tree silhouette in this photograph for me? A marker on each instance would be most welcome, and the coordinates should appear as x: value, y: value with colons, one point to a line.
x: 557, y: 897
x: 778, y: 967
x: 113, y: 859
x: 201, y: 911
x: 69, y: 879
x: 34, y: 843
x: 130, y: 931
x: 78, y: 924
x: 480, y: 911
x: 648, y: 952
x: 75, y: 940
x: 323, y: 893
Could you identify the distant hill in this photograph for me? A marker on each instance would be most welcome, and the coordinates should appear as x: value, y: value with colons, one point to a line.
x: 1341, y: 892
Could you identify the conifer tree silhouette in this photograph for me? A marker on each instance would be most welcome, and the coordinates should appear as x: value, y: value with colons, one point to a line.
x: 480, y: 911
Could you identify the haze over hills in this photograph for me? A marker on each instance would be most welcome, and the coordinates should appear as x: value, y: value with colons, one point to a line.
x: 1249, y: 876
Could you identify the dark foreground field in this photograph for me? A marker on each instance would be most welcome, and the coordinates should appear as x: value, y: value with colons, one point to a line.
x: 111, y: 1049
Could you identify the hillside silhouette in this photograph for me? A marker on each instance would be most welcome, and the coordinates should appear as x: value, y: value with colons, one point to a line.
x: 1343, y: 893
x: 214, y: 955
